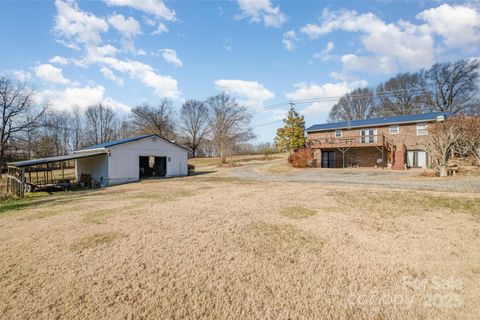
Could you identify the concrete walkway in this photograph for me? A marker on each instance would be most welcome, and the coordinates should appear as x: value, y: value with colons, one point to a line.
x: 370, y: 177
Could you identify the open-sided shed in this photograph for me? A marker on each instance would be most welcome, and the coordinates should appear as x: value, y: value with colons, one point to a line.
x: 109, y: 163
x: 134, y: 158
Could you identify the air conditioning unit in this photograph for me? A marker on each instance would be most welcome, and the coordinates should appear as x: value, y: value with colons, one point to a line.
x: 440, y: 118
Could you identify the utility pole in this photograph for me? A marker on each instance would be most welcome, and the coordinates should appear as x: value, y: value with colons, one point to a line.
x: 292, y: 105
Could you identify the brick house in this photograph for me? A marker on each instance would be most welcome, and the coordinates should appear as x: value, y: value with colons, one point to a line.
x: 395, y: 142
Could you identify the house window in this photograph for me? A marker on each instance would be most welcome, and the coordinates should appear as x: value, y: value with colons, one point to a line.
x: 394, y: 129
x: 338, y: 133
x: 422, y: 129
x: 368, y: 136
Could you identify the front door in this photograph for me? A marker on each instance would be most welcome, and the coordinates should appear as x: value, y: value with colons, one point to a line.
x: 327, y: 159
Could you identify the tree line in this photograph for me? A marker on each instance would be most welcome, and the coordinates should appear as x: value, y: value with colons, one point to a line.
x: 218, y: 126
x: 449, y: 86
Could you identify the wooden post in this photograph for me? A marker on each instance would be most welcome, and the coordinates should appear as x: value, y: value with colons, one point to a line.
x: 22, y: 183
x: 63, y: 171
x: 8, y: 179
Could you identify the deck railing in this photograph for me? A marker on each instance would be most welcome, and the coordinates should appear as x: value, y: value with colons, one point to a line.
x: 371, y: 140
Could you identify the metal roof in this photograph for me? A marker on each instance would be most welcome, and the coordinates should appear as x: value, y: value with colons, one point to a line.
x: 379, y: 121
x: 33, y: 162
x: 127, y: 140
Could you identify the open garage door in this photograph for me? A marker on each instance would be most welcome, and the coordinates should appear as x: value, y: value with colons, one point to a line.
x: 152, y: 167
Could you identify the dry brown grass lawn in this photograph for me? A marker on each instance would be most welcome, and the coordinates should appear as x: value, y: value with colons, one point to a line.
x: 214, y: 247
x: 237, y: 159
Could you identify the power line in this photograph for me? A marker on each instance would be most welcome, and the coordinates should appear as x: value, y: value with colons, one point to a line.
x: 266, y: 123
x: 331, y: 98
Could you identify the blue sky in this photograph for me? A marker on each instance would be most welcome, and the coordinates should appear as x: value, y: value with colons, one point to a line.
x: 126, y: 52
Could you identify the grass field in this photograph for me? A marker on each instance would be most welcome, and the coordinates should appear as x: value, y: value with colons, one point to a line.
x: 237, y: 159
x: 218, y: 247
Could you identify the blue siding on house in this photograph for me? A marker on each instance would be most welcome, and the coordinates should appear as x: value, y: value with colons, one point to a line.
x: 378, y: 121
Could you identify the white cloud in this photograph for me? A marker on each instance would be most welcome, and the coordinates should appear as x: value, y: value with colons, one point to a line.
x: 163, y: 86
x: 161, y: 28
x: 325, y: 55
x: 76, y: 25
x: 82, y: 98
x: 170, y: 56
x: 153, y: 7
x: 128, y: 27
x: 83, y: 30
x: 58, y: 60
x: 102, y: 51
x: 105, y: 57
x: 458, y: 25
x: 50, y: 73
x: 289, y: 39
x: 403, y: 44
x: 280, y: 114
x: 382, y: 64
x: 255, y: 93
x: 22, y: 75
x: 108, y: 73
x: 328, y: 93
x: 262, y: 10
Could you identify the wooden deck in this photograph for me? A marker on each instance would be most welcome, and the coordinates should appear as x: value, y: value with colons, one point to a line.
x: 349, y: 142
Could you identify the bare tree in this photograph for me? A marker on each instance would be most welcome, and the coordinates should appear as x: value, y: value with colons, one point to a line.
x: 469, y: 143
x: 403, y: 94
x: 101, y: 124
x: 229, y: 124
x: 353, y: 106
x: 56, y: 126
x: 126, y: 130
x: 147, y: 119
x: 442, y: 138
x: 18, y: 113
x: 76, y: 126
x: 455, y: 86
x: 194, y: 127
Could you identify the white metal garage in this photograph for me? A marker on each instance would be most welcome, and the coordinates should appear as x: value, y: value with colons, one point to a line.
x: 130, y: 159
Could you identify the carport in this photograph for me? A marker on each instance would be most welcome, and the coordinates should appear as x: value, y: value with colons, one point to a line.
x: 23, y: 176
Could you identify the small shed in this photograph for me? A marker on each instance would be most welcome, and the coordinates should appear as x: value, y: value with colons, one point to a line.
x: 109, y: 163
x: 131, y: 159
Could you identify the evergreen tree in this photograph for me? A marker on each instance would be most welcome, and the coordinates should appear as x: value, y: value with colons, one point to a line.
x: 292, y: 135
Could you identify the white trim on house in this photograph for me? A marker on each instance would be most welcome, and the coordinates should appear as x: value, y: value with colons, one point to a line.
x: 396, y: 129
x: 337, y: 135
x: 422, y: 129
x: 368, y: 135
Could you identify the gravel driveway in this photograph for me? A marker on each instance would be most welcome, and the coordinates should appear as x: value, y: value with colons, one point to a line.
x: 374, y: 177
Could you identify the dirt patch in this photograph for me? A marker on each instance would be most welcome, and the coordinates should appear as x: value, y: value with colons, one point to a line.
x: 228, y: 165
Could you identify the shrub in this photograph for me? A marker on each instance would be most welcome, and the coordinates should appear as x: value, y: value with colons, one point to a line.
x: 302, y: 158
x: 191, y: 168
x: 267, y: 153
